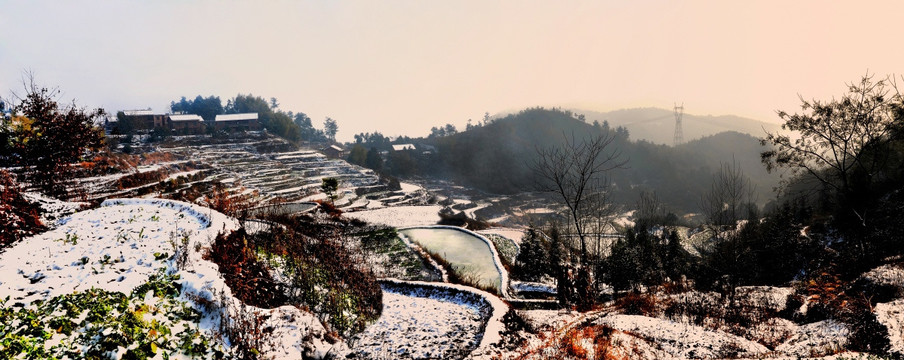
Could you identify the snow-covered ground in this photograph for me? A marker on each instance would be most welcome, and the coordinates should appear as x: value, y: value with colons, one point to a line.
x: 53, y: 209
x: 816, y: 339
x: 420, y: 327
x: 399, y: 216
x: 409, y: 187
x: 122, y: 243
x: 685, y: 341
x: 433, y: 321
x: 512, y: 234
x: 891, y: 314
x: 112, y: 248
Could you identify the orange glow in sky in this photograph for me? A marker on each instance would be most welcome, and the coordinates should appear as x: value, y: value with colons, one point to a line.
x: 401, y: 67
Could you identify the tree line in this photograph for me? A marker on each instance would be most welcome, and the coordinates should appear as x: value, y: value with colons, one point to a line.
x: 292, y: 126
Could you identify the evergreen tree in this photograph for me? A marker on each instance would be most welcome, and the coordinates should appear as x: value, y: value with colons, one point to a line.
x: 533, y: 259
x: 373, y: 160
x: 357, y: 155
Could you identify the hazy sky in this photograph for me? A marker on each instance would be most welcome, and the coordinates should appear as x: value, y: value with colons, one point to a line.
x: 401, y: 67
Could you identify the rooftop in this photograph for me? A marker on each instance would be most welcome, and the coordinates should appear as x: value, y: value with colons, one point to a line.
x: 400, y: 147
x: 237, y: 117
x: 137, y: 112
x: 186, y: 117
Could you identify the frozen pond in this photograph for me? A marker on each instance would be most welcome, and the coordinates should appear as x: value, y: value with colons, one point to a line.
x: 468, y: 254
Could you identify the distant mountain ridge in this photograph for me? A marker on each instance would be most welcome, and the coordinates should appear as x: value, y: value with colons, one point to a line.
x: 658, y: 125
x: 497, y: 158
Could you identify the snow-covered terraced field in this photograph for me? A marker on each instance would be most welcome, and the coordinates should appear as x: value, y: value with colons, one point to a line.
x: 420, y: 328
x: 289, y: 175
x: 400, y: 216
x: 431, y: 321
x: 112, y: 248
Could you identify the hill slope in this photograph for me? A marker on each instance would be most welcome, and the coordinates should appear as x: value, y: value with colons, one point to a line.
x: 658, y: 125
x: 497, y: 158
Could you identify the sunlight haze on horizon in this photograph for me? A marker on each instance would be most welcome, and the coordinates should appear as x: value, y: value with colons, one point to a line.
x: 402, y: 67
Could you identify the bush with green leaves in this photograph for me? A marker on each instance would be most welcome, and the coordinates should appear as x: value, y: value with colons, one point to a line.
x: 96, y: 324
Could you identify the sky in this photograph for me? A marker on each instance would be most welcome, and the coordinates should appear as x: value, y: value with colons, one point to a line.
x: 402, y: 67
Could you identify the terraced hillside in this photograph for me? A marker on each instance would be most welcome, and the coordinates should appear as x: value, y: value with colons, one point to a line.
x: 264, y: 168
x: 289, y: 176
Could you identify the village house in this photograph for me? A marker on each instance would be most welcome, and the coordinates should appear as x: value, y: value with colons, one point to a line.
x: 244, y: 121
x: 186, y: 124
x: 145, y: 119
x: 403, y: 147
x: 334, y: 152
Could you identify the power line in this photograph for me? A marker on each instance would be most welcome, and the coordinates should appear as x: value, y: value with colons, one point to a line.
x: 679, y: 131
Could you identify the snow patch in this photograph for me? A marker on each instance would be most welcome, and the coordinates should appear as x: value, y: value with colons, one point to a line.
x: 682, y: 340
x: 816, y: 339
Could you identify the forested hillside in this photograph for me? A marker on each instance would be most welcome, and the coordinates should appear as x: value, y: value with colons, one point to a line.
x: 497, y: 157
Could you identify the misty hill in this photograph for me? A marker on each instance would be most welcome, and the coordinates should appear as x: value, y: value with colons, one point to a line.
x: 497, y: 158
x: 658, y: 125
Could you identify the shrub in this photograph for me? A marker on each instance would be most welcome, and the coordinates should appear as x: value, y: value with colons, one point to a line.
x: 140, y: 178
x: 638, y: 304
x: 248, y: 278
x: 320, y: 272
x: 95, y: 323
x: 46, y: 138
x: 221, y: 199
x: 18, y: 217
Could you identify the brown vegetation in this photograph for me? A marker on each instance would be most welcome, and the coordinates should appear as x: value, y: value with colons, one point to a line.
x: 18, y: 217
x: 247, y: 277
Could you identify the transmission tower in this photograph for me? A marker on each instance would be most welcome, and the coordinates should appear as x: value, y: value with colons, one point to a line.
x: 679, y: 132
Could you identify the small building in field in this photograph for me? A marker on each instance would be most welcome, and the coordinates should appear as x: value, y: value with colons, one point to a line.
x: 232, y: 122
x: 334, y: 152
x: 143, y: 119
x: 403, y: 147
x: 186, y: 124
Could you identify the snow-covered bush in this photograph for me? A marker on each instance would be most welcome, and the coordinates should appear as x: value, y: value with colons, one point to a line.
x: 309, y: 258
x: 94, y: 324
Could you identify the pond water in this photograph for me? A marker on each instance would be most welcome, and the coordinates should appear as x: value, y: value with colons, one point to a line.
x: 468, y: 254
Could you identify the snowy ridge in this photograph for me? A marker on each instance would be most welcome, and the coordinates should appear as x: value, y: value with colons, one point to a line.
x: 493, y: 307
x: 503, y: 274
x: 182, y: 207
x: 122, y: 243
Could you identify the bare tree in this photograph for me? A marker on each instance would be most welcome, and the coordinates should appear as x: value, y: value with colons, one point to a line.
x: 730, y: 196
x: 833, y: 135
x: 576, y: 172
x: 648, y: 210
